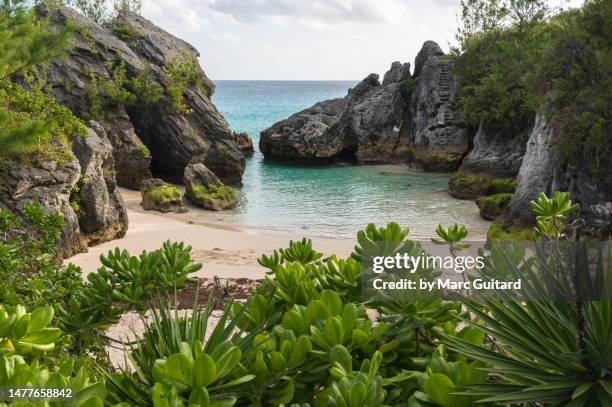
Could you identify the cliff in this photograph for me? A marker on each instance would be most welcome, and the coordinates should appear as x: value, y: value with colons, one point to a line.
x: 406, y: 117
x: 147, y: 90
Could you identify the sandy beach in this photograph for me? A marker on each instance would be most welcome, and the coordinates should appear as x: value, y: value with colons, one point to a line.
x: 227, y: 251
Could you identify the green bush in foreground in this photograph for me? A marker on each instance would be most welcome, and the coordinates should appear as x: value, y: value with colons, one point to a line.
x: 308, y: 336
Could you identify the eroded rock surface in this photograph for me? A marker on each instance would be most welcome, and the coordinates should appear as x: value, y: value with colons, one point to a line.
x: 147, y: 133
x: 203, y: 188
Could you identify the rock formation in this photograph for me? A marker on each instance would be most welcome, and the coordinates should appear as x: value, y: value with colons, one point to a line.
x: 541, y: 171
x: 404, y: 118
x: 133, y: 83
x: 435, y: 135
x: 203, y: 188
x: 83, y: 190
x: 158, y: 195
x: 244, y: 143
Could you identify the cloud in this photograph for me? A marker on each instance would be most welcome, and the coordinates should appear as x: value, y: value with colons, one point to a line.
x: 314, y: 11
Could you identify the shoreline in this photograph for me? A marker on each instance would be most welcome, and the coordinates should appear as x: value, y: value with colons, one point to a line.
x: 225, y: 250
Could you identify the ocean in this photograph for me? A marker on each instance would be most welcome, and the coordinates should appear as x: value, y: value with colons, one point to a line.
x: 327, y: 201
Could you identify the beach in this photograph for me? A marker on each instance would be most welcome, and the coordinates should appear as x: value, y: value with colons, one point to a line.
x: 226, y: 251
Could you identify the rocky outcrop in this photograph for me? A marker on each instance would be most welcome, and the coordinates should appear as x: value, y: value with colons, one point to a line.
x: 403, y: 118
x: 435, y: 134
x: 51, y: 186
x: 203, y: 188
x: 244, y: 143
x: 158, y: 195
x: 156, y: 118
x: 496, y: 154
x: 101, y: 214
x: 306, y: 135
x: 542, y: 171
x: 363, y: 126
x: 82, y: 190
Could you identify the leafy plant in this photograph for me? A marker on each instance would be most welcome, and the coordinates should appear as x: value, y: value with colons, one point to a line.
x: 552, y: 212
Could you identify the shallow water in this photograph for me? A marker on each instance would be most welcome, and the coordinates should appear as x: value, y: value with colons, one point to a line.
x: 327, y: 201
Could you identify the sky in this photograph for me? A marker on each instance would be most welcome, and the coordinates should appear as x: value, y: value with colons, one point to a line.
x: 307, y: 39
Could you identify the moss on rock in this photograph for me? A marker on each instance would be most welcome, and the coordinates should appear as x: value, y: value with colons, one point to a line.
x: 214, y: 197
x: 491, y: 206
x: 435, y: 161
x: 470, y: 186
x: 160, y: 196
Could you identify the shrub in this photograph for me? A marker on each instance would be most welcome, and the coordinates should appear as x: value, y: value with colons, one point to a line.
x: 181, y: 73
x: 34, y: 127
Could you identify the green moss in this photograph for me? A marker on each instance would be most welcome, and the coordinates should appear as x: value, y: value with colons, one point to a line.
x: 468, y: 186
x: 35, y: 128
x: 410, y: 84
x: 499, y: 232
x: 221, y: 192
x: 436, y: 161
x: 492, y: 206
x: 144, y: 151
x: 165, y: 194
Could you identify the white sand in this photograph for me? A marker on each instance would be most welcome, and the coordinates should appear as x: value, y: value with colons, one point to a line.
x: 228, y: 251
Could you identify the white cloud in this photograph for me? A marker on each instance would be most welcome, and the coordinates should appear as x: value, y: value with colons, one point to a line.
x: 321, y: 11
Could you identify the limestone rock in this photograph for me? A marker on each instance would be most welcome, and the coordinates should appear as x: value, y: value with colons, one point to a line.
x: 244, y: 142
x: 434, y: 135
x: 51, y: 186
x: 158, y: 195
x: 495, y: 154
x: 146, y: 133
x: 203, y: 188
x: 541, y: 171
x: 102, y: 215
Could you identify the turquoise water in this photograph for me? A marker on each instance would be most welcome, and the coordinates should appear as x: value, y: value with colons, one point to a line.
x: 327, y: 201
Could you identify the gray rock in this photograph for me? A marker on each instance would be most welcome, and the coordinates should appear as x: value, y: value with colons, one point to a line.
x: 173, y: 138
x: 158, y: 195
x: 51, y: 187
x: 400, y: 119
x: 362, y: 126
x: 495, y: 154
x: 435, y: 135
x: 102, y: 215
x: 541, y: 171
x: 203, y: 188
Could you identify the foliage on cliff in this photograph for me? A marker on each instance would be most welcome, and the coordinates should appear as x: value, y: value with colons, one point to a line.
x: 515, y: 55
x: 33, y: 127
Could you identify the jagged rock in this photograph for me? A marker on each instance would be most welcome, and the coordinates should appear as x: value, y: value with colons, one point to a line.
x: 102, y: 215
x: 434, y: 135
x: 401, y: 119
x: 305, y: 135
x: 495, y: 154
x: 203, y: 188
x: 145, y: 133
x: 244, y: 142
x: 82, y: 190
x: 51, y: 186
x: 362, y: 126
x: 541, y: 171
x: 158, y: 195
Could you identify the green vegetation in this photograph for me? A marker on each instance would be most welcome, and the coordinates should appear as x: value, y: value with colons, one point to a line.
x: 469, y: 186
x: 517, y: 55
x: 181, y: 73
x: 34, y: 127
x: 144, y: 151
x: 410, y: 84
x: 165, y: 193
x: 497, y: 231
x: 216, y: 197
x: 491, y: 206
x: 304, y: 336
